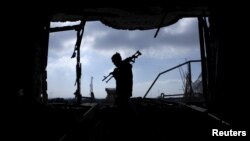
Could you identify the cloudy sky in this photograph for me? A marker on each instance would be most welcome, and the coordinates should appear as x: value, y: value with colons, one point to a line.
x: 173, y: 45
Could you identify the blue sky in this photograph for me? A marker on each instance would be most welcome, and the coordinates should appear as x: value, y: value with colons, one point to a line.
x: 174, y: 45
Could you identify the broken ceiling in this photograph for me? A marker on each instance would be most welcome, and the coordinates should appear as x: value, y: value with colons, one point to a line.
x: 131, y: 18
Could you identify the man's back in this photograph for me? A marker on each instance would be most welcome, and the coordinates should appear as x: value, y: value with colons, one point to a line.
x: 124, y: 82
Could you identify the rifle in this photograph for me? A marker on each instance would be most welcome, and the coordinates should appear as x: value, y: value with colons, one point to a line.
x: 133, y: 57
x: 129, y: 59
x: 110, y: 76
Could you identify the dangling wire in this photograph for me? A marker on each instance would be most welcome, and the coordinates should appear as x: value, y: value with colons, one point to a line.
x: 76, y: 53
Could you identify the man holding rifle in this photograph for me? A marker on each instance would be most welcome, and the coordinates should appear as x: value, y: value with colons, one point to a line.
x: 124, y: 80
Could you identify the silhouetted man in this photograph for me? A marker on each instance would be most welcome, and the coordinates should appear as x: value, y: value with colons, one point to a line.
x: 124, y: 80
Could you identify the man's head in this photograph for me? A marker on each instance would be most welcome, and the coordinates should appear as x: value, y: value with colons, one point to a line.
x: 116, y: 59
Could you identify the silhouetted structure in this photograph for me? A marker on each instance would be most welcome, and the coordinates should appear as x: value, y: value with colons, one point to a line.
x: 76, y: 54
x: 225, y: 97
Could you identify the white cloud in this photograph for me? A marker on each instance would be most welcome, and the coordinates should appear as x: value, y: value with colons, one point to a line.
x: 183, y: 26
x: 62, y: 63
x: 60, y: 24
x: 165, y: 52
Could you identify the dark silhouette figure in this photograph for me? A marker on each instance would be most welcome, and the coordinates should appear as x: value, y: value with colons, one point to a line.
x: 124, y: 80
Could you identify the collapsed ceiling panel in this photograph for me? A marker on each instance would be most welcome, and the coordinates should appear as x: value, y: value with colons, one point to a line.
x: 132, y: 18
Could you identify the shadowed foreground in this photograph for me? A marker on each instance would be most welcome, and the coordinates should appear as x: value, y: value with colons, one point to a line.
x: 143, y: 120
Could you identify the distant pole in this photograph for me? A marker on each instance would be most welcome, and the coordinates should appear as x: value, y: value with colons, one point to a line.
x: 91, y: 89
x: 91, y: 84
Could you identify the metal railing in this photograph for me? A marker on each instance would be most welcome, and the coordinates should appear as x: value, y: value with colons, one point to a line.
x: 188, y: 62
